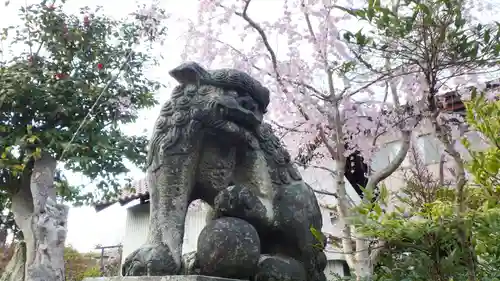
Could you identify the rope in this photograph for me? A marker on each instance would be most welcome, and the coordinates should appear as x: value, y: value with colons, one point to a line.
x: 80, y: 126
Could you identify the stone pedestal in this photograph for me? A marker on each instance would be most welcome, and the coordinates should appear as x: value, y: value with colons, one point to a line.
x: 162, y: 278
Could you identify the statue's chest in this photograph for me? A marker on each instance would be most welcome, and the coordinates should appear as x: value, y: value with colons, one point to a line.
x: 216, y: 156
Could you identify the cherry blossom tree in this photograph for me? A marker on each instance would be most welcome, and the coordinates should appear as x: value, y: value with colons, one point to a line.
x: 322, y: 104
x: 436, y: 45
x: 336, y: 91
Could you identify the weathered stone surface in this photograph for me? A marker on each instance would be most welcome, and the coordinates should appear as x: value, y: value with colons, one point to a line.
x: 190, y: 264
x: 193, y: 151
x: 295, y: 211
x: 208, y: 136
x: 162, y: 278
x: 228, y: 247
x: 272, y: 268
x: 298, y: 211
x: 14, y: 271
x: 321, y: 261
x: 240, y: 202
x: 43, y: 222
x: 152, y: 260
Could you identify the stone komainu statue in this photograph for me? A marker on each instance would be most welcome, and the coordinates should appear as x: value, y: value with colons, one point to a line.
x: 210, y: 143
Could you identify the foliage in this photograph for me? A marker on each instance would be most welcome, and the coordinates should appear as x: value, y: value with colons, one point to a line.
x: 424, y: 26
x: 425, y: 45
x: 71, y: 82
x: 483, y: 116
x: 78, y: 266
x: 420, y: 232
x: 91, y: 272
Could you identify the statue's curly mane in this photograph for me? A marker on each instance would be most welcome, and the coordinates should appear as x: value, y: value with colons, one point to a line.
x: 278, y: 158
x: 176, y: 122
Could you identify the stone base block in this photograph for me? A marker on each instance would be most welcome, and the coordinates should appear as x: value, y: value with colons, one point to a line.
x: 161, y: 278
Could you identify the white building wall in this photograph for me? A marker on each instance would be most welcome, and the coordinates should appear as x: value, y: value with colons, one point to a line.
x: 137, y: 225
x: 334, y: 269
x: 136, y: 228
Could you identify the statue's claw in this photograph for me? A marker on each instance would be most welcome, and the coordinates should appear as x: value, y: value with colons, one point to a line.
x: 150, y: 260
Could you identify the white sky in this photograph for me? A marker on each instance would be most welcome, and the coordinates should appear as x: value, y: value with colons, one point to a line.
x: 87, y: 228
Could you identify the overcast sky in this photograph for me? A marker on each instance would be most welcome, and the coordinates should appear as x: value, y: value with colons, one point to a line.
x: 86, y: 228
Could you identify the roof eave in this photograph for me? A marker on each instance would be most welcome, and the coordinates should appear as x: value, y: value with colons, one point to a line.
x: 122, y: 201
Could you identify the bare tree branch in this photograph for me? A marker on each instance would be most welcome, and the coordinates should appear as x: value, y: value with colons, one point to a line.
x: 325, y: 193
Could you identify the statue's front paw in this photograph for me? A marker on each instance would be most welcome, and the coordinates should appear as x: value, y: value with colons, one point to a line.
x: 150, y: 260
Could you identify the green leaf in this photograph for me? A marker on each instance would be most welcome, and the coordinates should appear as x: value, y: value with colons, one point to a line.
x: 487, y: 35
x: 317, y: 235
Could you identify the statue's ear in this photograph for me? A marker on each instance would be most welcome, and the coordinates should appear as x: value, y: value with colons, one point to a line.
x: 189, y: 73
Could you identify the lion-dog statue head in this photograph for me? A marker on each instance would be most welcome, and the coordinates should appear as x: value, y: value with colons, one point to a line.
x: 225, y: 101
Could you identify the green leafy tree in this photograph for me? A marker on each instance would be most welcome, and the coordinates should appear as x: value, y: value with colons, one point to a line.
x: 483, y: 116
x: 427, y: 44
x: 79, y: 266
x: 420, y: 232
x: 419, y: 235
x: 91, y: 272
x: 70, y: 84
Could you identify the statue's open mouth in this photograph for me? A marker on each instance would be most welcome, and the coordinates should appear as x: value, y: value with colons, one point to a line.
x: 232, y: 118
x: 244, y: 118
x: 243, y: 111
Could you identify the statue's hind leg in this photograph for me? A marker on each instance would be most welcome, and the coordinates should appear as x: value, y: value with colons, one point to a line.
x: 170, y: 186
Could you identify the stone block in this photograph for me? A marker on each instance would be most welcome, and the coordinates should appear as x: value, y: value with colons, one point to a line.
x: 161, y: 278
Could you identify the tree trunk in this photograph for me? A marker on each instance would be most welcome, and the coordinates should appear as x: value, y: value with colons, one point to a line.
x: 364, y: 268
x: 3, y: 239
x: 460, y: 200
x: 14, y: 271
x: 358, y: 258
x: 42, y: 221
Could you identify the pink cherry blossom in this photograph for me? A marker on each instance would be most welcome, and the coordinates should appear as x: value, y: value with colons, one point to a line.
x: 322, y: 94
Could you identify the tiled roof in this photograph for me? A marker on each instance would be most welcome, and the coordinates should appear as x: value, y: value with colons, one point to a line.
x: 453, y: 102
x: 138, y: 189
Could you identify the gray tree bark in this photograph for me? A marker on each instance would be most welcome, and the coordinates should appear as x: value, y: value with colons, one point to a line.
x: 43, y: 223
x: 3, y: 238
x: 14, y: 271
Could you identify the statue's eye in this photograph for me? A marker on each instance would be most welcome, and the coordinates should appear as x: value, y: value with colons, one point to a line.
x: 248, y: 103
